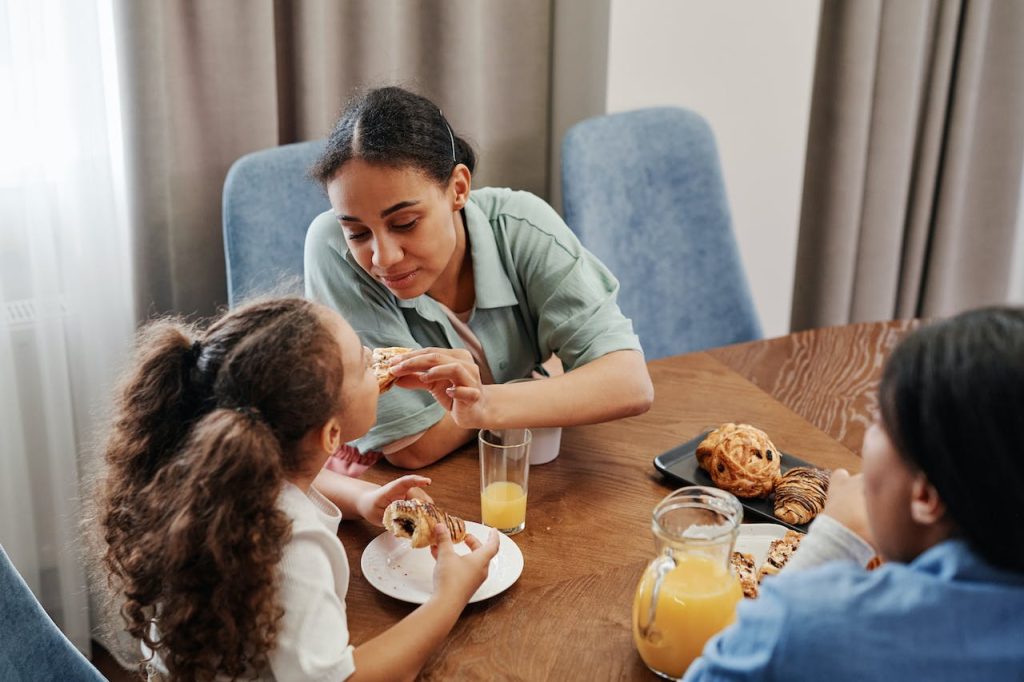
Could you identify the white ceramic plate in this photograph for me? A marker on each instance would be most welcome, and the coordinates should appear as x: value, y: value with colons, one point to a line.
x: 754, y: 538
x: 398, y: 570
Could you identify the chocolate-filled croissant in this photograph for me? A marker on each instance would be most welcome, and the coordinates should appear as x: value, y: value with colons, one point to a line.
x: 800, y: 494
x: 415, y: 519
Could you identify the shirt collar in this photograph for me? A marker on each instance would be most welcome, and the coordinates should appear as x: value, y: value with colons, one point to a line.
x: 954, y: 560
x: 493, y: 288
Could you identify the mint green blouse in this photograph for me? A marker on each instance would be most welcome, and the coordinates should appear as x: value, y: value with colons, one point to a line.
x: 538, y: 293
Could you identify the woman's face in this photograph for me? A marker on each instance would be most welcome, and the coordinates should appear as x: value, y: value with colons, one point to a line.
x: 400, y: 225
x: 359, y: 385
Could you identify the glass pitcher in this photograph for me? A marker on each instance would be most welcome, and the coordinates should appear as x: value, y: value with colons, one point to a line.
x: 688, y: 592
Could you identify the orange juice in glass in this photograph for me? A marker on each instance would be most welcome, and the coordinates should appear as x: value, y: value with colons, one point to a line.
x: 688, y: 592
x: 504, y: 470
x: 503, y: 505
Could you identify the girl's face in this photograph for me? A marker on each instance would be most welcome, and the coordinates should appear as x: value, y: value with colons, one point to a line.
x: 401, y: 227
x: 890, y: 484
x: 359, y: 386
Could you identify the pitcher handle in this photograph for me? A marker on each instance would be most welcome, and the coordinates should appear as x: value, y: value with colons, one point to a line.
x: 661, y: 566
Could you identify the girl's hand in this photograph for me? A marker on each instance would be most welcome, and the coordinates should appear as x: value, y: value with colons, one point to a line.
x: 371, y: 504
x: 458, y: 577
x: 846, y: 503
x: 452, y: 377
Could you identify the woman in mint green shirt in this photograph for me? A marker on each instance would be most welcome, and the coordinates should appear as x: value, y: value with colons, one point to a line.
x: 484, y: 285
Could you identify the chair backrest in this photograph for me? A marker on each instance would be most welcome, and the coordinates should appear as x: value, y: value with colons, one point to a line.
x: 643, y: 190
x: 31, y: 646
x: 268, y: 204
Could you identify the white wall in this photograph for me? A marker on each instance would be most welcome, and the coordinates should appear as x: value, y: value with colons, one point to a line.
x: 747, y: 67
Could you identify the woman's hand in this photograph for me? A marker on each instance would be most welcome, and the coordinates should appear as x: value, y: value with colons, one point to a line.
x: 371, y: 504
x: 458, y: 577
x: 452, y: 377
x: 846, y: 503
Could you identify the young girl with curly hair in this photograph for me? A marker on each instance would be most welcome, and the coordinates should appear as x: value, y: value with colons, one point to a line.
x: 227, y: 556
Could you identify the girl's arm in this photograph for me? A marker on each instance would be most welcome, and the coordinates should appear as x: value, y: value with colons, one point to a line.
x: 361, y: 499
x: 399, y: 652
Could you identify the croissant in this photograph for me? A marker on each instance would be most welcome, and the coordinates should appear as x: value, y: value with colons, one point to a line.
x: 800, y: 494
x: 415, y: 519
x: 379, y: 363
x: 741, y: 459
x: 779, y: 552
x: 746, y: 570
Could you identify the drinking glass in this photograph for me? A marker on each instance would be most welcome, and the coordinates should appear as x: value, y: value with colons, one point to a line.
x: 504, y: 469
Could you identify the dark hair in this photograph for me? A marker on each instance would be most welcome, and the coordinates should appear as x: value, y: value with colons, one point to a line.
x: 951, y: 397
x: 205, y: 428
x: 394, y: 127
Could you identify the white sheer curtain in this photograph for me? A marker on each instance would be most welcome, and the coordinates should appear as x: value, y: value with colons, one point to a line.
x: 65, y: 285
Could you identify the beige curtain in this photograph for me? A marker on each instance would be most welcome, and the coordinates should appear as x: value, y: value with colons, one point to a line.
x: 913, y: 176
x: 206, y: 81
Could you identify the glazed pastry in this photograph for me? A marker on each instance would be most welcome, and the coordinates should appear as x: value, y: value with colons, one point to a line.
x: 779, y: 552
x: 379, y: 362
x: 800, y: 494
x: 746, y: 571
x: 415, y: 519
x: 740, y: 458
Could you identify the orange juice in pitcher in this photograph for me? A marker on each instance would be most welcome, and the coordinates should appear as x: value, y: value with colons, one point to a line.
x: 688, y: 592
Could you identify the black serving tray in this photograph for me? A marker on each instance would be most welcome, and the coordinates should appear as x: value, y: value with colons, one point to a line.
x: 680, y: 465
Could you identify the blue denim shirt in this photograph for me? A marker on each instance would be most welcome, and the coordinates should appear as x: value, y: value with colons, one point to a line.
x: 946, y: 616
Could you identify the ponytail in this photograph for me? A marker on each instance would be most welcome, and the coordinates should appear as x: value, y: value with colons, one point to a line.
x: 206, y: 428
x: 216, y: 540
x: 152, y: 403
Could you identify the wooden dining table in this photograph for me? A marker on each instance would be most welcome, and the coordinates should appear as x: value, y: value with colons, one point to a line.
x: 588, y: 525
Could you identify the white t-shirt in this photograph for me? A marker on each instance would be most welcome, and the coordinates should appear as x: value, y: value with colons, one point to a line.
x: 312, y: 640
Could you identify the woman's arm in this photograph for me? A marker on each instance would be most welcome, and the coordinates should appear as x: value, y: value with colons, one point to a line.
x: 612, y: 386
x: 439, y: 440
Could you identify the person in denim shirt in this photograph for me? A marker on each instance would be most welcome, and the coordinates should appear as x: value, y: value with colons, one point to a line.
x: 939, y: 498
x: 484, y: 285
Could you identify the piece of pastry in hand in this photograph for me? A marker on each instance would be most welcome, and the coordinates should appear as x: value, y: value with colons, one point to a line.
x: 415, y: 519
x: 741, y: 459
x: 746, y: 570
x: 380, y: 360
x: 800, y: 494
x: 779, y: 552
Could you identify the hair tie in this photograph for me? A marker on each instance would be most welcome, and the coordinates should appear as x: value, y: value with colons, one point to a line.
x: 192, y: 354
x: 450, y: 135
x: 252, y: 413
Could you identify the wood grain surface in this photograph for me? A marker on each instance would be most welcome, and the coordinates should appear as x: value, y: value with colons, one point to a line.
x: 588, y: 535
x: 830, y: 376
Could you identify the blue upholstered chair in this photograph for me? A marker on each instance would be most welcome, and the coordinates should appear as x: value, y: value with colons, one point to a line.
x: 31, y: 646
x: 268, y: 204
x: 643, y: 191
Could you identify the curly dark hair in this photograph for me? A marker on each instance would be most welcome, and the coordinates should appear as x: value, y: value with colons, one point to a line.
x: 950, y: 398
x: 393, y: 127
x: 205, y: 428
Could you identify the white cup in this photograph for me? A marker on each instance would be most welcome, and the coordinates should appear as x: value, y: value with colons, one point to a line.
x: 546, y: 444
x: 546, y: 441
